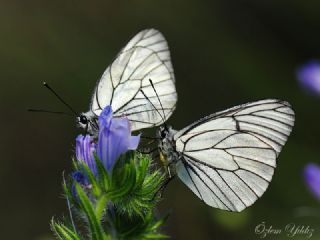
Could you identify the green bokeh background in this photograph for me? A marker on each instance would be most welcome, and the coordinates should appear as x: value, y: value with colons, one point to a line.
x: 224, y: 52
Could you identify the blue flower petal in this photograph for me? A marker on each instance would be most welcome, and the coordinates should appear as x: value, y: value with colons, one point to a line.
x: 114, y: 138
x: 312, y: 178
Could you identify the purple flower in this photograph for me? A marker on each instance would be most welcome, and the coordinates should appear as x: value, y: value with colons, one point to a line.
x: 309, y: 76
x: 85, y: 148
x: 312, y: 178
x: 114, y: 139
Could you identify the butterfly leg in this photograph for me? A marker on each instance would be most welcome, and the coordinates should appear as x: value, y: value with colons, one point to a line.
x: 163, y: 187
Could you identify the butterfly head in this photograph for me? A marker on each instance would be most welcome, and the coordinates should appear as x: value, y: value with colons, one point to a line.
x: 88, y: 121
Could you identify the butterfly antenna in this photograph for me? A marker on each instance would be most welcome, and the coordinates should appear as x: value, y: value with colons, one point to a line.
x: 48, y: 111
x: 60, y: 98
x: 163, y: 120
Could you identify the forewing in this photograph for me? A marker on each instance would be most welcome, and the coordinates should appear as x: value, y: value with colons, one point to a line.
x: 145, y: 57
x: 228, y: 158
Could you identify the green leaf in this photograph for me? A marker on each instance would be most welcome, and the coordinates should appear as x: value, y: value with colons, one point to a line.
x: 104, y: 178
x: 75, y: 164
x: 96, y: 230
x: 62, y: 232
x: 142, y: 171
x: 69, y: 195
x: 101, y: 206
x: 158, y: 224
x: 124, y: 184
x: 95, y: 187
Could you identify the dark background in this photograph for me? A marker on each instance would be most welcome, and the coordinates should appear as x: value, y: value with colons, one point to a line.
x: 224, y: 52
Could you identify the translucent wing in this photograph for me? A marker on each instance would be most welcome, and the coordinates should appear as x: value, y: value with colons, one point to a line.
x: 228, y: 158
x: 145, y: 57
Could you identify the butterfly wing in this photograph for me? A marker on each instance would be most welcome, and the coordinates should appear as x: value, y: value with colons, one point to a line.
x: 228, y: 158
x: 145, y: 57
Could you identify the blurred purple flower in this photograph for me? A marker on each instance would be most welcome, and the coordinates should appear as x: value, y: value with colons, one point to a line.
x: 309, y: 76
x: 114, y: 139
x: 312, y: 178
x: 80, y: 178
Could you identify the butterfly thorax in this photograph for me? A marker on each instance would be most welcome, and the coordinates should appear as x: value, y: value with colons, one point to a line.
x: 89, y: 122
x: 168, y: 153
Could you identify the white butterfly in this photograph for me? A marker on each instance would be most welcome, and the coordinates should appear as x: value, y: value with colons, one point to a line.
x: 228, y: 158
x: 123, y: 83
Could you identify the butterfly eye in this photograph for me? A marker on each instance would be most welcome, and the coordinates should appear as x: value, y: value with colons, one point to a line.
x: 83, y: 119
